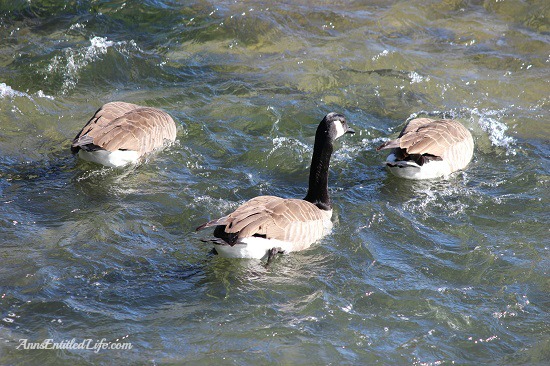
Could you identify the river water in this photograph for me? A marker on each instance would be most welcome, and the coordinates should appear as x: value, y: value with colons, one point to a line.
x: 439, y: 272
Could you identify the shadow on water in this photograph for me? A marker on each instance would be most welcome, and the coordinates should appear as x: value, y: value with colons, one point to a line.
x: 55, y: 169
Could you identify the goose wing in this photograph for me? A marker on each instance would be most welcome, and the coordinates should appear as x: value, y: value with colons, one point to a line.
x: 432, y: 137
x: 289, y: 220
x: 126, y: 126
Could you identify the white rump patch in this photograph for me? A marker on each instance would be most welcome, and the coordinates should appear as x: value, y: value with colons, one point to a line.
x: 252, y: 247
x: 111, y: 159
x: 411, y: 170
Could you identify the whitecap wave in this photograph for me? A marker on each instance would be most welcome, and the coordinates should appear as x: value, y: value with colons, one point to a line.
x: 346, y: 152
x: 489, y: 122
x: 7, y: 91
x: 72, y: 60
x: 445, y: 197
x: 288, y: 143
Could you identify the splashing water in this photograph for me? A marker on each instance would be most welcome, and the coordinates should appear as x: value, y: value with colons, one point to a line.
x: 73, y: 60
x: 488, y: 121
x: 7, y: 91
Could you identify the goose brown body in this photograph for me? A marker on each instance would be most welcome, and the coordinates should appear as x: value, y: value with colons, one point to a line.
x: 293, y: 221
x: 267, y: 223
x: 428, y: 148
x: 119, y: 127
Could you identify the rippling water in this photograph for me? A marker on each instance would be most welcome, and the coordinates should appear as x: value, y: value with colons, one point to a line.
x: 441, y: 272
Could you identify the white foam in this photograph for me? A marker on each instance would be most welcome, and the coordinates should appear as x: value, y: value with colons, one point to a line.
x: 381, y: 54
x: 73, y: 60
x: 286, y: 142
x: 488, y: 121
x: 7, y: 91
x: 417, y: 78
x: 98, y: 45
x: 428, y: 199
x: 345, y: 152
x: 77, y: 26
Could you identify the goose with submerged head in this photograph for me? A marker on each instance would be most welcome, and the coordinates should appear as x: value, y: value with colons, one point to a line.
x: 122, y: 133
x: 266, y: 225
x: 428, y: 149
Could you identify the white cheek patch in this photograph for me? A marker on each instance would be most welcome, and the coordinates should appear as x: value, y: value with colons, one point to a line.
x: 339, y: 129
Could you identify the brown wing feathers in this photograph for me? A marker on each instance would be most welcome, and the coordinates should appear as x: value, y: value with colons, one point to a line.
x: 426, y: 136
x: 103, y: 117
x: 126, y: 126
x: 268, y: 216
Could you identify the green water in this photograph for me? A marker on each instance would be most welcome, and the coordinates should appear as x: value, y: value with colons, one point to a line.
x: 414, y: 273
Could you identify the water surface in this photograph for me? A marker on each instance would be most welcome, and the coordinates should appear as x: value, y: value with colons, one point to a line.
x: 442, y: 272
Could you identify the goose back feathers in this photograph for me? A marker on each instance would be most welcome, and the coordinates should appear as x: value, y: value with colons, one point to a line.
x: 428, y: 148
x: 265, y: 223
x: 120, y: 133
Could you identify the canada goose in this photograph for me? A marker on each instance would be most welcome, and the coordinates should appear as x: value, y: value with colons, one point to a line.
x: 428, y: 148
x: 120, y: 133
x: 266, y: 225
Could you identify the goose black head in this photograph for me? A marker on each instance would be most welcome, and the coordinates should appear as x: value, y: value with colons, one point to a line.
x: 334, y: 125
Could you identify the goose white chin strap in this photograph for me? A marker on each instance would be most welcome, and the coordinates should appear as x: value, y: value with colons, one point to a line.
x: 340, y: 131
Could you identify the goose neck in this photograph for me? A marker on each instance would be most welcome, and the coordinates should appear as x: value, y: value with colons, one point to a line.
x: 318, y: 175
